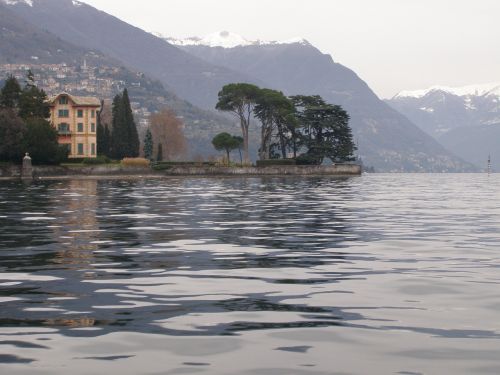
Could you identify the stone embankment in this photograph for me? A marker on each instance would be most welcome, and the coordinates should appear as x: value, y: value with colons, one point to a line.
x: 118, y: 171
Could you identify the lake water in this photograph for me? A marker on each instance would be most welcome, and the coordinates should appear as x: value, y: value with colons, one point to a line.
x: 380, y: 274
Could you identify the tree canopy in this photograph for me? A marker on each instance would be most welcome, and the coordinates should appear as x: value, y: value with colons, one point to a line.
x: 240, y: 99
x: 226, y: 142
x: 304, y: 126
x: 24, y: 126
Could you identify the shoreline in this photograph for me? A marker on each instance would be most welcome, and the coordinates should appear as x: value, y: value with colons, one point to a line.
x: 41, y: 173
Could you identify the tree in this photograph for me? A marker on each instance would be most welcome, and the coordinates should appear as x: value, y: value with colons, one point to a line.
x: 41, y: 141
x: 148, y: 145
x: 226, y: 142
x: 10, y: 93
x: 33, y: 101
x: 159, y: 155
x: 167, y: 130
x: 239, y: 99
x: 103, y: 134
x: 325, y: 130
x: 12, y: 132
x: 273, y: 110
x: 124, y: 136
x: 119, y: 135
x: 132, y: 134
x: 239, y: 141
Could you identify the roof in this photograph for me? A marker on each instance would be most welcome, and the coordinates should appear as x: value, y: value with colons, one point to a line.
x: 85, y: 101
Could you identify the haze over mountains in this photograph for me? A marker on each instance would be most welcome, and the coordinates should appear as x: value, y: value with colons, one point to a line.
x: 196, y: 70
x: 466, y: 119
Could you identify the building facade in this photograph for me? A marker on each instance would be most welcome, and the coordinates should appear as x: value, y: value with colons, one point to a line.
x: 75, y: 118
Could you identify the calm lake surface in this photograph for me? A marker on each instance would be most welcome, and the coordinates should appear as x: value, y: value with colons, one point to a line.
x: 380, y: 274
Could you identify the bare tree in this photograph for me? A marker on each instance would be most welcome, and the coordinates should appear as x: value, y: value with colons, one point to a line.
x: 167, y: 130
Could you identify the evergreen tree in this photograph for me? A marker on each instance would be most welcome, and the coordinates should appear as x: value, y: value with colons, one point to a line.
x: 33, y: 101
x: 41, y: 141
x: 148, y: 145
x: 103, y: 137
x: 133, y: 137
x: 159, y: 156
x: 100, y: 135
x: 226, y: 142
x: 119, y: 146
x: 324, y: 130
x: 10, y: 93
x: 124, y: 137
x: 12, y: 132
x: 240, y: 99
x: 107, y: 144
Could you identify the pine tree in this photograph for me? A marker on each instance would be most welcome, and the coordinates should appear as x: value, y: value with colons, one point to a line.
x: 148, y: 145
x: 10, y: 93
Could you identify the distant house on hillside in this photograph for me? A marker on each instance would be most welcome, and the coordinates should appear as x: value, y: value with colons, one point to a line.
x: 75, y: 118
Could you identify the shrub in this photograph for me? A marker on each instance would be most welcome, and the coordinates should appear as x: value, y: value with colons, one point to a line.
x: 135, y: 162
x: 275, y: 162
x: 101, y: 159
x: 306, y: 159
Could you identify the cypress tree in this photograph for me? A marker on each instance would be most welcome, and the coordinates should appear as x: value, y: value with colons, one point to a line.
x: 148, y: 145
x: 124, y: 137
x: 119, y: 144
x: 132, y: 135
x: 159, y: 156
x: 107, y: 144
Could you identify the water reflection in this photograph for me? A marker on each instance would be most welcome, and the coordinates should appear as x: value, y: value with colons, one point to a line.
x: 248, y: 258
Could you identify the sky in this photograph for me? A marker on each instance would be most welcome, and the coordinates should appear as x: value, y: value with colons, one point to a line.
x: 393, y: 45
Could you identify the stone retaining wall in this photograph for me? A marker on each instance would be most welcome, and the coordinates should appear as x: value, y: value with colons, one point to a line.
x: 118, y: 170
x: 282, y: 170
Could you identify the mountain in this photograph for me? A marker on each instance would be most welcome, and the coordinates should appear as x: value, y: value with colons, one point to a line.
x: 465, y: 119
x: 189, y: 77
x: 62, y: 66
x: 386, y: 139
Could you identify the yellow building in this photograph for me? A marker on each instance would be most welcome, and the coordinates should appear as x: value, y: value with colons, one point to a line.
x: 75, y: 118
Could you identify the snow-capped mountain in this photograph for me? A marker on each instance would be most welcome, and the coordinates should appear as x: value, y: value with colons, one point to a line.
x: 226, y: 39
x: 464, y: 119
x: 486, y: 89
x: 196, y: 72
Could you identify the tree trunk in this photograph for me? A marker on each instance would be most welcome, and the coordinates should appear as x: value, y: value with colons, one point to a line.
x: 228, y: 158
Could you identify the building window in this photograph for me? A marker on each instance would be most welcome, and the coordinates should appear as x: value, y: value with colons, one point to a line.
x: 80, y: 149
x: 80, y: 113
x: 63, y: 100
x: 64, y: 113
x: 92, y: 148
x: 63, y: 128
x: 92, y: 128
x: 80, y: 127
x: 92, y: 113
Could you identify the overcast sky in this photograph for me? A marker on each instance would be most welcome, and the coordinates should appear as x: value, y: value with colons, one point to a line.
x: 393, y: 45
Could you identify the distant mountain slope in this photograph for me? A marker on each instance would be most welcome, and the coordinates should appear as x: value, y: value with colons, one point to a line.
x: 24, y: 43
x: 464, y: 119
x: 189, y: 77
x: 387, y: 140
